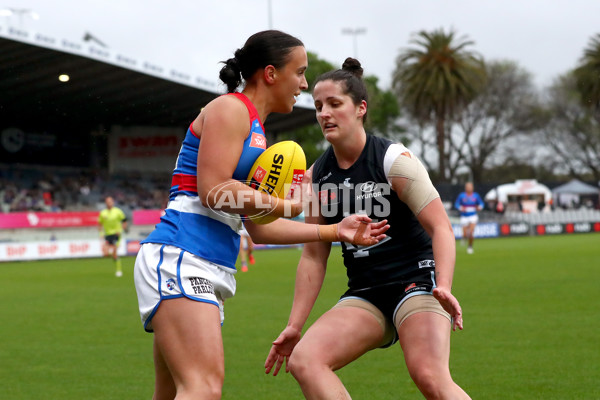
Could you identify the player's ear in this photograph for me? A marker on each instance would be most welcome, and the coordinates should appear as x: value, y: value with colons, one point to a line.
x: 270, y: 74
x: 362, y: 109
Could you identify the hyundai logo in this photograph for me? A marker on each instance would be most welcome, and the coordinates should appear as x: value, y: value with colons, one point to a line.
x: 368, y: 187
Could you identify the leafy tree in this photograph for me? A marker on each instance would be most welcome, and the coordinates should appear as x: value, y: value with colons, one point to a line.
x: 383, y: 111
x: 587, y: 76
x: 506, y: 107
x: 573, y: 131
x: 515, y: 168
x: 436, y: 79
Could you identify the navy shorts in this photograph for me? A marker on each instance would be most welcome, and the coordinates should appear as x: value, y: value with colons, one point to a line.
x: 389, y: 297
x: 112, y: 239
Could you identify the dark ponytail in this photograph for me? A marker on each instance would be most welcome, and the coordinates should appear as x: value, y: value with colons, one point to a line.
x: 350, y: 75
x: 261, y: 49
x: 231, y: 74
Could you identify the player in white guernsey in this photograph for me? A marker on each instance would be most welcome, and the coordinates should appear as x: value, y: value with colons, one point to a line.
x: 185, y: 267
x: 398, y: 289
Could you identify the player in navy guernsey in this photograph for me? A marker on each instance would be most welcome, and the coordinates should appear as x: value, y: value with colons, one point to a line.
x: 185, y: 268
x: 398, y: 289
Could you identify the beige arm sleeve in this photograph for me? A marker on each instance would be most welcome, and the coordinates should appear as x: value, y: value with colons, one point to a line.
x: 419, y: 191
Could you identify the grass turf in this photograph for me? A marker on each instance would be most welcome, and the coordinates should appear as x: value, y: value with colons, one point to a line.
x: 71, y: 330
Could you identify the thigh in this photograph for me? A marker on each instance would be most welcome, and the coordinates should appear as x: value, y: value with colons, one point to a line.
x: 341, y: 335
x: 425, y: 340
x: 188, y: 335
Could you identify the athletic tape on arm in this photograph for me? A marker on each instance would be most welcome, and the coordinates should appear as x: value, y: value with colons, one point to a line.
x: 419, y: 191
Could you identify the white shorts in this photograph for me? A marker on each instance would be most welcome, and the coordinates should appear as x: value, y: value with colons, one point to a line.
x: 166, y: 272
x: 471, y: 219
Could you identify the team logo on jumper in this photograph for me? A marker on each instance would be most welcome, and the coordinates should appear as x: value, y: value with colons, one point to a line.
x: 201, y: 285
x: 347, y: 182
x: 258, y: 141
x: 171, y: 284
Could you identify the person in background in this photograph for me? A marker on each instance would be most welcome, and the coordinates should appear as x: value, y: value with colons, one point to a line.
x: 398, y: 289
x: 184, y: 270
x: 111, y: 223
x: 468, y: 203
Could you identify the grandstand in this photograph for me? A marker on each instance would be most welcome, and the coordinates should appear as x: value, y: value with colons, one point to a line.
x: 113, y: 127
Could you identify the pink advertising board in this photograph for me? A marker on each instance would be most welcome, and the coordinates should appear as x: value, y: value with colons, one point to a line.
x: 48, y: 219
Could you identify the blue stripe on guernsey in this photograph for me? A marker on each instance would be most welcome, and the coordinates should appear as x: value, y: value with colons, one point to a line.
x: 190, y: 226
x: 254, y: 146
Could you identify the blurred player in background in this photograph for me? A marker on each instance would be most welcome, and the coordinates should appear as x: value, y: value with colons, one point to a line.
x: 468, y: 203
x: 246, y: 249
x: 111, y: 223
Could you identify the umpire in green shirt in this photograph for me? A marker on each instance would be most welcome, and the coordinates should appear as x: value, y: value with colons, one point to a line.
x: 112, y: 222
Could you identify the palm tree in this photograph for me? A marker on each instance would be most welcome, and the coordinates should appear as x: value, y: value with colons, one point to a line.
x: 587, y: 75
x: 437, y: 79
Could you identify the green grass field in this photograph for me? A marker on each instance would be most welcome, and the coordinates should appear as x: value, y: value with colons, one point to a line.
x: 71, y: 330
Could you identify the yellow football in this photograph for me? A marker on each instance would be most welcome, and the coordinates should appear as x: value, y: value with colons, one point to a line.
x: 277, y: 171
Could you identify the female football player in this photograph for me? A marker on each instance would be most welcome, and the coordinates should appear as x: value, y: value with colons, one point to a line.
x: 398, y: 289
x: 185, y: 267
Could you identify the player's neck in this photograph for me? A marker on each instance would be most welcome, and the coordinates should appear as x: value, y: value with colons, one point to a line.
x: 349, y: 150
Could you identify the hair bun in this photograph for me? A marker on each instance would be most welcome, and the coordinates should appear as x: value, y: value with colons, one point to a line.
x: 234, y: 64
x: 353, y: 66
x: 230, y: 74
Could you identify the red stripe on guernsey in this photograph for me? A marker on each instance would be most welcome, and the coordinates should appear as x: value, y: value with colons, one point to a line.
x: 184, y: 182
x: 192, y: 130
x: 251, y: 109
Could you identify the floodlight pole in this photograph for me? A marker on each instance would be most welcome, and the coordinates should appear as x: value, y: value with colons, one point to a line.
x: 354, y: 32
x: 270, y: 14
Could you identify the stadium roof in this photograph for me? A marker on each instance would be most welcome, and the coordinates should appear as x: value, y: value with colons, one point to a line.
x: 105, y: 88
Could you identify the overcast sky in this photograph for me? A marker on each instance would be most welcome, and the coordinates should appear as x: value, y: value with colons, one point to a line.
x: 546, y: 37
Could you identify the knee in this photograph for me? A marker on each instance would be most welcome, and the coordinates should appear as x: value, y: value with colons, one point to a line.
x: 303, y: 364
x: 213, y: 385
x: 431, y: 381
x: 203, y: 387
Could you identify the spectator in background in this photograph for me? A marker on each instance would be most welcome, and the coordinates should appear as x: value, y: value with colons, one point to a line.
x: 469, y: 203
x: 112, y: 221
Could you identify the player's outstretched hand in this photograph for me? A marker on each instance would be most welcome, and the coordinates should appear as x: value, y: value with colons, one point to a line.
x: 282, y: 349
x: 451, y: 305
x: 359, y: 230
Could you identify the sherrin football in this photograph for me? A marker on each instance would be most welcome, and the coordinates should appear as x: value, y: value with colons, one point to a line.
x: 277, y: 171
